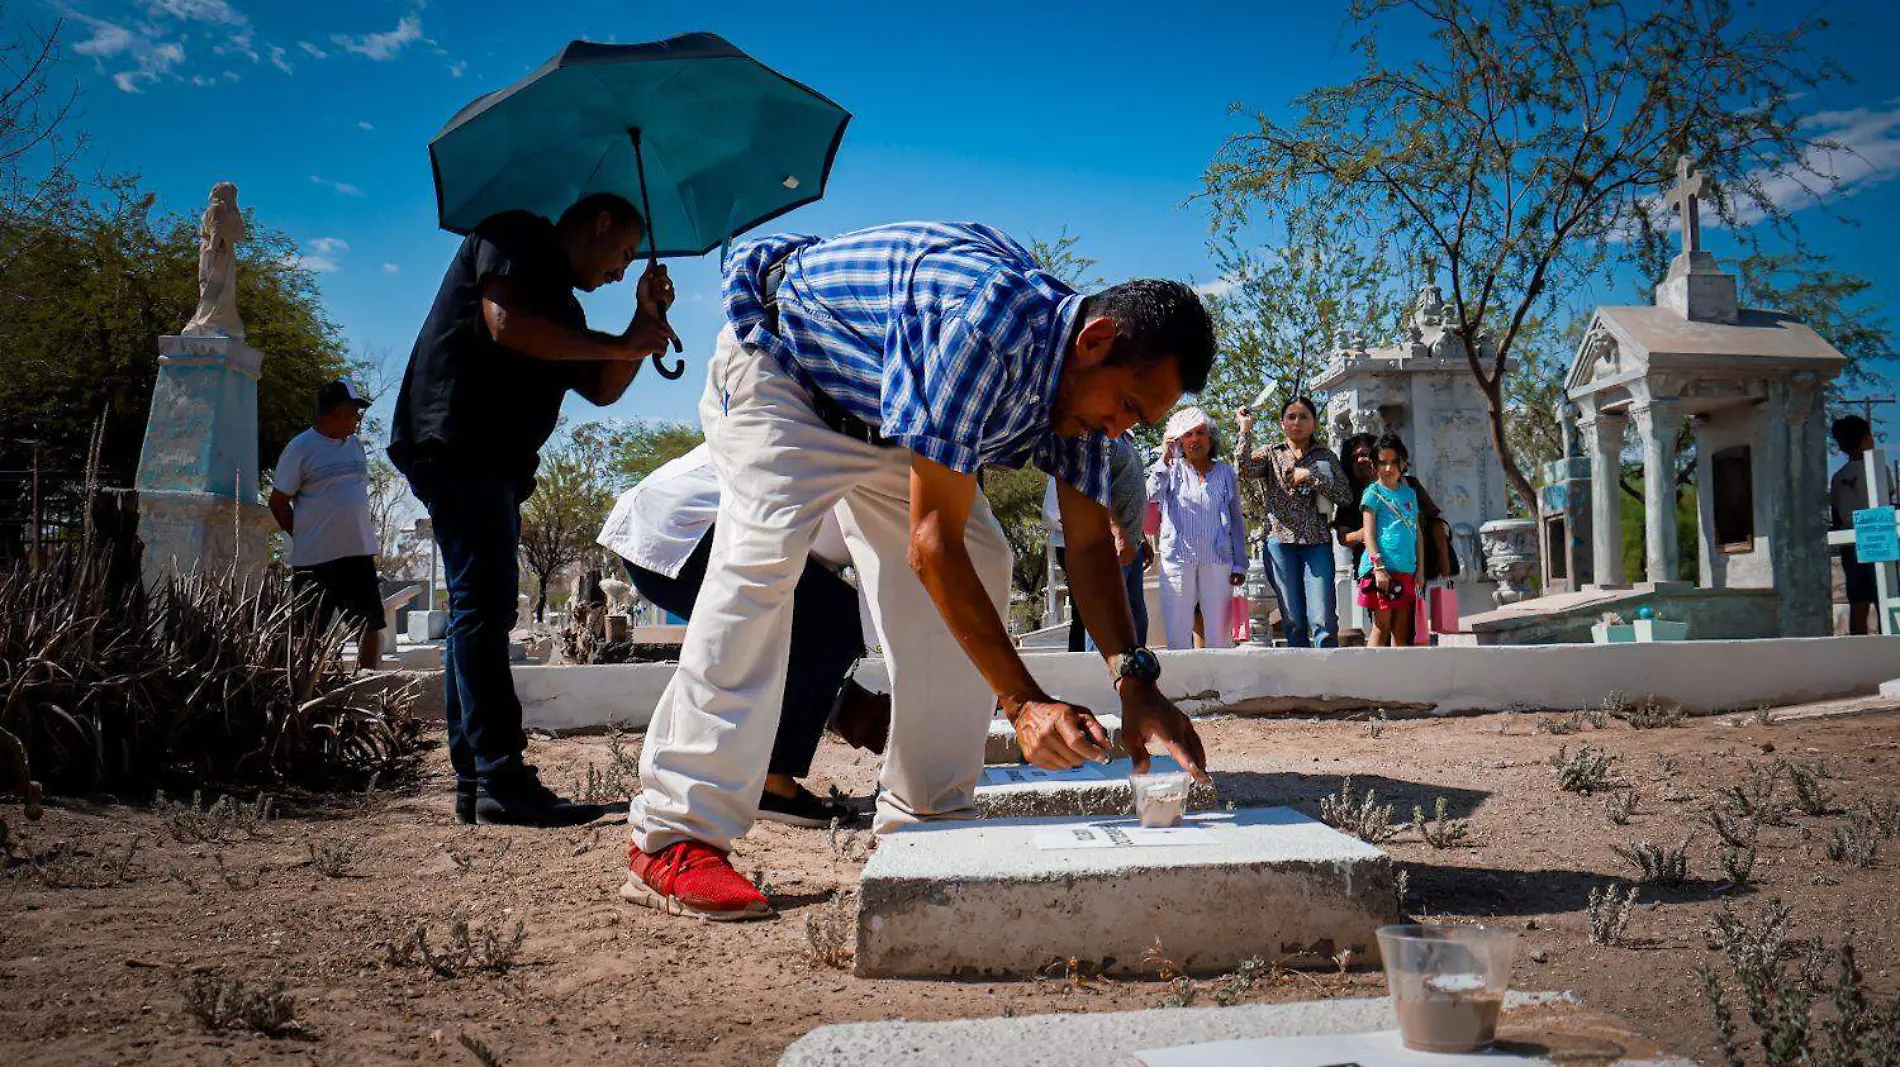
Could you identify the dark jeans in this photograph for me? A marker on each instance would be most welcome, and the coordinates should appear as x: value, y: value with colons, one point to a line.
x: 1080, y: 640
x: 1302, y: 579
x: 827, y: 639
x: 477, y: 519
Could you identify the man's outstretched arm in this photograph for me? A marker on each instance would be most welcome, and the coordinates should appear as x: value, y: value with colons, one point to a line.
x: 513, y: 323
x: 1054, y: 734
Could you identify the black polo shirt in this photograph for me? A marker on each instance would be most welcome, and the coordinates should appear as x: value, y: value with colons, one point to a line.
x: 468, y: 403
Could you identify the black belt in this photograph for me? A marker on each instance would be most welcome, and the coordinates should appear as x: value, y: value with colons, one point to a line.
x: 829, y: 411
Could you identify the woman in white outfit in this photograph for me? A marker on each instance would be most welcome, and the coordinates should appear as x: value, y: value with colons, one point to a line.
x: 1203, y: 536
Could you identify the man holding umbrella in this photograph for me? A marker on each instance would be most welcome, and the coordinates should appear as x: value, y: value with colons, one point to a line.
x: 708, y: 142
x: 504, y: 342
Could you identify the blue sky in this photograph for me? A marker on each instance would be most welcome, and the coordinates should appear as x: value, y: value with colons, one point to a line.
x: 1098, y: 117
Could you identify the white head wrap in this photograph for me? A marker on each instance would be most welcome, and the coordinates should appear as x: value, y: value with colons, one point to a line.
x: 1183, y: 422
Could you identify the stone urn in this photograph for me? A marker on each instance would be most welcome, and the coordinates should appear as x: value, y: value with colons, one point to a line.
x: 1261, y: 602
x: 1510, y: 555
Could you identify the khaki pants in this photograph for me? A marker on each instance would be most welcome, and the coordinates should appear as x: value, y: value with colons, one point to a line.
x: 781, y: 470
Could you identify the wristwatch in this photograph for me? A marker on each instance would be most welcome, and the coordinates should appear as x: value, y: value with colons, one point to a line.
x: 1138, y: 663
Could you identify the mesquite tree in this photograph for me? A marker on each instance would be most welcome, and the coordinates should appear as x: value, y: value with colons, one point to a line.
x: 1527, y: 145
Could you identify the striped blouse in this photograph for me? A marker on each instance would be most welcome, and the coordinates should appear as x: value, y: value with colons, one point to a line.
x: 1201, y: 523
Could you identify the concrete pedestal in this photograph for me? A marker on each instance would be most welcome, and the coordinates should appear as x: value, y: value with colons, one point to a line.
x: 428, y: 625
x: 197, y: 481
x: 982, y: 898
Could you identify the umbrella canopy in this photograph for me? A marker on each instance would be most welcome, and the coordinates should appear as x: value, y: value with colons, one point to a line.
x: 709, y: 141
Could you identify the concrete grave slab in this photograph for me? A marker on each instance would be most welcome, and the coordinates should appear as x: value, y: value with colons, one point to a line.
x: 1100, y: 1039
x: 1018, y: 790
x: 1002, y: 745
x: 985, y: 898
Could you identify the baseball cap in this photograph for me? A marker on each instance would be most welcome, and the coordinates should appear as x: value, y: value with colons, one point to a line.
x: 340, y: 392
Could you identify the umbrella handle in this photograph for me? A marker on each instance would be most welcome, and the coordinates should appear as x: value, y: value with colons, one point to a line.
x: 653, y: 259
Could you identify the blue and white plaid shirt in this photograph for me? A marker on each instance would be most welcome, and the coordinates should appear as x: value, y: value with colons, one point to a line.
x: 947, y: 337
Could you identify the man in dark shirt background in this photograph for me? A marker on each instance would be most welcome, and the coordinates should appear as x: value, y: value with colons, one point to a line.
x: 504, y: 342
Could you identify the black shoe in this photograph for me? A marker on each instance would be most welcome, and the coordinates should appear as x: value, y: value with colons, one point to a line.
x: 805, y: 808
x: 465, y: 793
x: 521, y: 800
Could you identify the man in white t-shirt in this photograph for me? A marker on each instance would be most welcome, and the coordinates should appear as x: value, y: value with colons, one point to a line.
x: 663, y: 529
x: 321, y: 499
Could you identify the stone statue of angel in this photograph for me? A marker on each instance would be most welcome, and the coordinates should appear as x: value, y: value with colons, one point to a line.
x: 218, y: 236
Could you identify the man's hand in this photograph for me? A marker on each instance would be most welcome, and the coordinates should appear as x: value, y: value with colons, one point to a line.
x: 1125, y: 546
x: 653, y: 294
x: 1057, y: 736
x: 1149, y: 716
x: 646, y: 336
x: 1243, y: 419
x: 1300, y: 476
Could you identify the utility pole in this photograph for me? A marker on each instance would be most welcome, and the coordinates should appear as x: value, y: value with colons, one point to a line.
x: 1867, y: 404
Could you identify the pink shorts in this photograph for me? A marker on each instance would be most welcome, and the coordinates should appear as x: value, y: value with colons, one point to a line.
x: 1371, y: 599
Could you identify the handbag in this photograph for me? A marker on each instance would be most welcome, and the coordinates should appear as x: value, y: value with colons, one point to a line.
x: 1240, y: 616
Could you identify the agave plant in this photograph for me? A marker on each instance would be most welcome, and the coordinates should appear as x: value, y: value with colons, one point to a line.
x: 211, y: 677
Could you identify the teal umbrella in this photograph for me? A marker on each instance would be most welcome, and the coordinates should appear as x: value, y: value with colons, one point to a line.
x: 707, y: 140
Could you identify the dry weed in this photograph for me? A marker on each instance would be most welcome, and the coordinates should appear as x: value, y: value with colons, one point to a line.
x: 218, y: 1005
x: 831, y: 932
x: 1586, y: 770
x: 1658, y: 865
x: 1609, y: 913
x: 334, y: 858
x: 1441, y: 831
x: 467, y: 948
x: 1366, y: 820
x: 1857, y: 844
x: 1620, y: 806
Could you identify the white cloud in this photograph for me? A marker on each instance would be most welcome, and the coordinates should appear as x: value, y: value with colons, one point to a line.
x: 313, y: 264
x: 382, y: 46
x: 231, y: 76
x: 242, y: 43
x: 1217, y: 287
x: 277, y: 59
x: 457, y: 68
x: 1866, y: 154
x: 151, y: 57
x: 391, y: 268
x: 312, y: 50
x: 329, y: 246
x: 216, y: 11
x: 107, y: 40
x: 365, y: 126
x: 343, y: 188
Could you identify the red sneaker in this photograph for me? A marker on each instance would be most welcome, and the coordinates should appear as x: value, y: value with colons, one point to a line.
x: 691, y: 878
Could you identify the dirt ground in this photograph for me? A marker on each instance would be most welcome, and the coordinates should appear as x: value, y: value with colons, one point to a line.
x: 96, y: 951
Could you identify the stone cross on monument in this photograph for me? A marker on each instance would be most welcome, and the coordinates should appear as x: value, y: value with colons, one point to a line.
x: 1696, y: 288
x: 1683, y: 198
